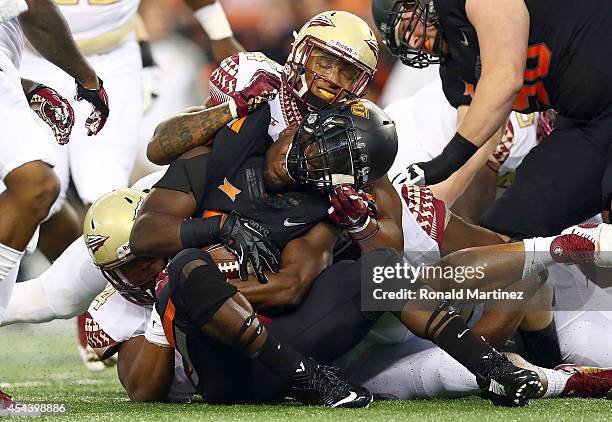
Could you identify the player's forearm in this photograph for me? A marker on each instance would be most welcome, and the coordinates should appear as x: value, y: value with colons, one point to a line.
x: 386, y: 234
x: 179, y: 134
x: 294, y: 279
x: 453, y: 187
x: 151, y: 372
x: 156, y: 234
x: 285, y: 288
x: 48, y: 32
x: 491, y: 106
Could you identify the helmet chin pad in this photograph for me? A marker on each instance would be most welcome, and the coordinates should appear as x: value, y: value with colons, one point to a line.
x: 140, y: 295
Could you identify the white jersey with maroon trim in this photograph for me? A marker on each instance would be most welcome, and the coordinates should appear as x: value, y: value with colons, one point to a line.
x: 236, y: 71
x: 111, y: 319
x: 424, y: 218
x: 92, y: 18
x: 12, y: 40
x: 426, y: 122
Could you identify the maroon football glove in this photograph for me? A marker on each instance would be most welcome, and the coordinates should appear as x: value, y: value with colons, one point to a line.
x: 262, y: 87
x: 351, y: 209
x: 99, y: 100
x: 53, y: 109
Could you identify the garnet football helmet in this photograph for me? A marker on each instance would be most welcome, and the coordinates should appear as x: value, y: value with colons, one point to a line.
x: 342, y: 36
x: 351, y: 142
x: 106, y: 232
x: 397, y: 21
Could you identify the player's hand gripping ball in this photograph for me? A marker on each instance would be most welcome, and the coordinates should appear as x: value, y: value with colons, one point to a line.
x: 249, y: 241
x: 99, y: 100
x: 351, y: 209
x: 54, y: 110
x: 262, y: 87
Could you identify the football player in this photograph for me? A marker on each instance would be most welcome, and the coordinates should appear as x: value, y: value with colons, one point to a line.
x: 422, y: 135
x: 26, y: 157
x: 105, y: 33
x: 230, y: 179
x: 514, y: 55
x: 334, y: 55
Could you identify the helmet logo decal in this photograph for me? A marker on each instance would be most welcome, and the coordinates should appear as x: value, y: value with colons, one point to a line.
x: 95, y: 242
x: 373, y: 46
x: 360, y: 109
x: 229, y: 189
x: 320, y: 21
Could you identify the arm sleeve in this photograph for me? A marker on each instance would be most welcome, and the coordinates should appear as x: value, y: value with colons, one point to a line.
x: 63, y: 291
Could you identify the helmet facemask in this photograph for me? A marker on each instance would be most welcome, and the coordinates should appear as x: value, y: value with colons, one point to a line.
x: 327, y: 153
x: 140, y: 295
x: 398, y: 30
x: 300, y: 68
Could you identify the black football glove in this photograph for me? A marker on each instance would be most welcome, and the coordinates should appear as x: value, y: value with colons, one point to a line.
x: 99, y: 100
x: 248, y: 241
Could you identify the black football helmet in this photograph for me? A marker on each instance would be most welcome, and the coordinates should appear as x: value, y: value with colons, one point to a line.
x: 352, y: 141
x: 388, y: 16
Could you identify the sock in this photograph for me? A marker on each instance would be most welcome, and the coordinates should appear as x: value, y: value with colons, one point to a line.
x: 556, y: 382
x: 278, y: 357
x: 9, y: 259
x: 463, y: 345
x: 537, y: 255
x: 542, y: 347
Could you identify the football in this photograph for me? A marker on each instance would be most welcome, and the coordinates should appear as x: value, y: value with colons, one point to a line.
x: 225, y: 260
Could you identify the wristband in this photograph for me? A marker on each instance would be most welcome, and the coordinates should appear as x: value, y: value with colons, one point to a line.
x: 458, y: 151
x: 356, y: 230
x: 146, y: 54
x: 198, y: 232
x: 154, y: 333
x: 371, y: 235
x: 213, y: 20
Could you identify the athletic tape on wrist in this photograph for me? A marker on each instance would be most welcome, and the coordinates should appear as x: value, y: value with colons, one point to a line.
x: 213, y: 20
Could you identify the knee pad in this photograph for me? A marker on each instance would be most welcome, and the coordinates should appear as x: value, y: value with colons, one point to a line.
x: 203, y: 290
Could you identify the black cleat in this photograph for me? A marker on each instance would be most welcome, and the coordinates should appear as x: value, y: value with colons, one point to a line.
x: 506, y: 384
x: 319, y: 385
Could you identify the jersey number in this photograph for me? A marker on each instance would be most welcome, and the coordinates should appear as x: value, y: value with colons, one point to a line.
x: 533, y: 77
x: 103, y: 297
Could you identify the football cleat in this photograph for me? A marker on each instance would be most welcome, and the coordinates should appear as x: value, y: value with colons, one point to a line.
x: 586, y: 381
x: 588, y: 242
x: 319, y: 385
x: 506, y: 384
x: 6, y: 404
x: 5, y: 400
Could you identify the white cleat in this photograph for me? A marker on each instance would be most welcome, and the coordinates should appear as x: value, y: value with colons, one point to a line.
x: 588, y: 242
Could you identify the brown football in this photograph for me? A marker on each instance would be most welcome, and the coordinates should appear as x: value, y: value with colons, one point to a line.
x: 226, y: 261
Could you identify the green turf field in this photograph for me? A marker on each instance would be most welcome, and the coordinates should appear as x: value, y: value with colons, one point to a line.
x: 41, y: 364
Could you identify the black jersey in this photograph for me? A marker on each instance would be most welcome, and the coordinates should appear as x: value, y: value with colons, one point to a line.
x: 568, y: 69
x: 230, y: 178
